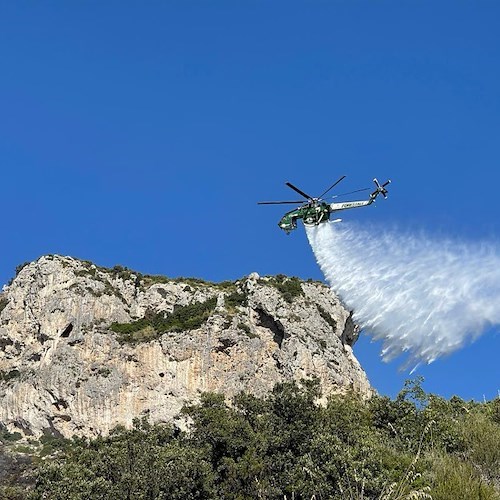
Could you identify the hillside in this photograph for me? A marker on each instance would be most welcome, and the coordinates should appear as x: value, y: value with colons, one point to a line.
x: 85, y: 348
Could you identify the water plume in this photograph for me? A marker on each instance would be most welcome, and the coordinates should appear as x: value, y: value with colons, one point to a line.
x: 423, y: 297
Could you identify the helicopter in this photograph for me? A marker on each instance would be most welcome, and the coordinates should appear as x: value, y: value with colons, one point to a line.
x: 317, y: 211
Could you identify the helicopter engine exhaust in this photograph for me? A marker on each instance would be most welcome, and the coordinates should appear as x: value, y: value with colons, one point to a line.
x: 421, y: 296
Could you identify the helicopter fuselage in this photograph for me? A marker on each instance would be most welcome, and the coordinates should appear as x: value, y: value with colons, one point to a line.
x: 311, y: 214
x: 317, y: 212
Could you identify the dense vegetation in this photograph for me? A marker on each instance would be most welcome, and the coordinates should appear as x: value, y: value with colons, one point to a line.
x: 289, y: 287
x: 286, y: 446
x: 153, y: 324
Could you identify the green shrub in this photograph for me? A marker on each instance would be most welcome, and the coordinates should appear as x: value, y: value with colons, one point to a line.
x: 3, y: 303
x: 20, y: 267
x: 192, y: 281
x: 482, y: 438
x: 290, y: 288
x: 152, y: 279
x: 125, y: 274
x: 248, y: 332
x: 9, y: 375
x: 6, y: 436
x: 454, y: 479
x: 235, y: 299
x: 327, y: 317
x: 225, y: 285
x: 182, y: 318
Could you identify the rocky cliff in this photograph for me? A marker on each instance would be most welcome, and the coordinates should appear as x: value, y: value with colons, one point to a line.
x: 85, y: 348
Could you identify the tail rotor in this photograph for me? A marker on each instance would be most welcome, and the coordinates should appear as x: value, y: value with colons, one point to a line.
x: 380, y: 189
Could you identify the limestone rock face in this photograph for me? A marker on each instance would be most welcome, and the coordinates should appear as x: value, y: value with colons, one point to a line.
x: 84, y: 348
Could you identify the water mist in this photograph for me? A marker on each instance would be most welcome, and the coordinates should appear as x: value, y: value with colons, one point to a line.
x: 424, y: 297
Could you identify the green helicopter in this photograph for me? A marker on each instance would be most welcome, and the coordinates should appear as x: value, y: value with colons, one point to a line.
x: 316, y: 211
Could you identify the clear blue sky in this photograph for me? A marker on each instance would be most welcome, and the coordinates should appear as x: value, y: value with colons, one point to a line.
x: 143, y: 133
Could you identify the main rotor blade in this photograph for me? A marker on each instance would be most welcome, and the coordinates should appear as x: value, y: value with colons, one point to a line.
x: 290, y: 185
x: 332, y: 186
x: 352, y: 192
x: 279, y: 202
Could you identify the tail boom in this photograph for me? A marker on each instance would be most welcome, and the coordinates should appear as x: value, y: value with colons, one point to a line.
x: 380, y: 189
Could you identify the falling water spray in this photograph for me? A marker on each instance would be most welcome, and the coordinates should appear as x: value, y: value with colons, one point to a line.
x: 423, y: 297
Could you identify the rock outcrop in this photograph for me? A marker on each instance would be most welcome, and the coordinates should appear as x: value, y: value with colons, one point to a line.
x: 84, y: 348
